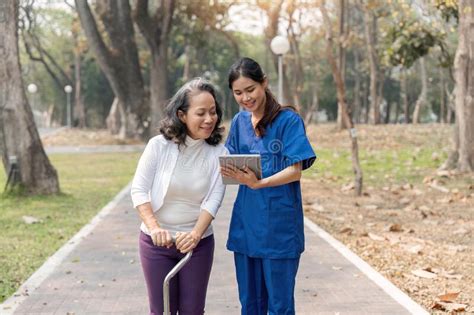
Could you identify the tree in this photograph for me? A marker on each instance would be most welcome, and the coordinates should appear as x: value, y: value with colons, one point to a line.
x: 370, y: 23
x: 272, y: 10
x: 421, y: 101
x: 341, y: 97
x: 18, y: 134
x: 118, y: 59
x: 464, y: 89
x: 156, y: 29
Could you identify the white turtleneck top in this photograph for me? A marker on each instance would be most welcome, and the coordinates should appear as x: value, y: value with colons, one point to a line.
x: 188, y: 186
x: 179, y: 182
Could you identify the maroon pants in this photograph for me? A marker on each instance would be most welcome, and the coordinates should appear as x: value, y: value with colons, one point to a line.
x: 188, y: 288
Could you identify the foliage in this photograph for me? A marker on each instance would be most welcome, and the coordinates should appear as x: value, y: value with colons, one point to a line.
x: 449, y: 9
x: 410, y: 40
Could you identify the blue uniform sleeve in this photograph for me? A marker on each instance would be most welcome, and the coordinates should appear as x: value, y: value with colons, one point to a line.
x: 231, y: 143
x: 295, y: 144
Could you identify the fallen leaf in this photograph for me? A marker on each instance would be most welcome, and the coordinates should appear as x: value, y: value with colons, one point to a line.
x: 449, y: 307
x: 448, y: 297
x: 413, y: 249
x: 439, y: 188
x: 423, y: 274
x: 375, y: 237
x: 395, y: 228
x: 347, y: 230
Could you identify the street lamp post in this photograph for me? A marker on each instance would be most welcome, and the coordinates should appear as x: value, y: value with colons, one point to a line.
x: 68, y: 90
x: 32, y: 89
x: 280, y: 46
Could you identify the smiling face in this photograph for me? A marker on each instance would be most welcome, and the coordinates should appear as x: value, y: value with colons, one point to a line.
x: 250, y: 94
x: 201, y: 117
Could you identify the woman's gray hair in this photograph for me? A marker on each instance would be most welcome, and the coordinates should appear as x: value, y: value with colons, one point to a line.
x: 172, y: 128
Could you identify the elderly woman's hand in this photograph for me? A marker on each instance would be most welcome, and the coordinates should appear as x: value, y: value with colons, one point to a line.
x: 161, y: 237
x: 187, y: 241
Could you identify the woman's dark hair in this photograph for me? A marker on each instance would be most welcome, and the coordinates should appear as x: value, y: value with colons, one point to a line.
x: 249, y: 68
x: 172, y: 128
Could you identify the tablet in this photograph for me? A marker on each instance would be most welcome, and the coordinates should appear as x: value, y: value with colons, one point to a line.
x: 252, y: 161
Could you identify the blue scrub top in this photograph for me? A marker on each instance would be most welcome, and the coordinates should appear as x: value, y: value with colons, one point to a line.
x: 268, y: 222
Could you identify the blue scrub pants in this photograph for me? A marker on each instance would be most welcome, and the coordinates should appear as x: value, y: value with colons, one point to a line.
x: 266, y: 285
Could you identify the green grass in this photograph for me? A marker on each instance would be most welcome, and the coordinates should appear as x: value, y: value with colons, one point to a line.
x: 88, y: 182
x: 406, y: 165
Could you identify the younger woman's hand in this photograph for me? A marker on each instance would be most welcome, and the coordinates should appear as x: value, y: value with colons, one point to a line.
x: 187, y: 241
x: 244, y: 176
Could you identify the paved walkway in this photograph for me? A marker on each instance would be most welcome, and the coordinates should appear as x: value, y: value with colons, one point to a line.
x: 101, y: 274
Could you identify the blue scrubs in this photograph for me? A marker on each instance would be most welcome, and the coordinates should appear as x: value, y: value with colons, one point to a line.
x: 266, y: 229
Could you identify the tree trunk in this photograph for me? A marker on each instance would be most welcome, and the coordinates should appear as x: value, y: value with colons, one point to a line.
x: 397, y: 112
x: 187, y: 63
x: 421, y: 101
x: 357, y: 89
x: 464, y: 91
x: 451, y: 106
x: 296, y: 65
x: 159, y: 86
x: 79, y: 108
x: 404, y: 96
x: 366, y: 103
x: 370, y: 22
x: 342, y: 100
x: 311, y: 114
x: 272, y: 10
x: 156, y: 30
x: 453, y: 155
x: 341, y: 58
x: 18, y: 134
x: 118, y: 60
x: 442, y: 100
x: 381, y: 79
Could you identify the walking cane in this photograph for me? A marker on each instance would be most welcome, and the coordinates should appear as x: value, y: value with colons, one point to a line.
x: 166, y: 283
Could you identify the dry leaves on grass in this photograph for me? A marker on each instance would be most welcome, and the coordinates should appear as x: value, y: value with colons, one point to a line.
x: 446, y: 302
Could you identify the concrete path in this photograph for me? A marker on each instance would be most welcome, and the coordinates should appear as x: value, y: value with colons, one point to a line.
x: 98, y: 272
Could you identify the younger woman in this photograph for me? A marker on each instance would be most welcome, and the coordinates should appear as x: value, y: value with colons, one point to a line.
x: 266, y: 229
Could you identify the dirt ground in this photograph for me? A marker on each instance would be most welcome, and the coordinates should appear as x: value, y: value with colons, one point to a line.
x: 418, y: 235
x: 84, y: 137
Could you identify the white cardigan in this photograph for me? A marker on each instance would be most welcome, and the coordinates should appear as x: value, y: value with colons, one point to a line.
x: 156, y: 166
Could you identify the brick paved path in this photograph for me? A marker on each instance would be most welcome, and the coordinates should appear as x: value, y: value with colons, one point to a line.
x: 102, y: 275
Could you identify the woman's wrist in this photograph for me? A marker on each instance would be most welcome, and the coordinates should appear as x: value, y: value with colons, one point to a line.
x: 196, y: 234
x: 261, y: 183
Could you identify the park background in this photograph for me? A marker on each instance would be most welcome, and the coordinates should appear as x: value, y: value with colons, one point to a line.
x: 99, y: 73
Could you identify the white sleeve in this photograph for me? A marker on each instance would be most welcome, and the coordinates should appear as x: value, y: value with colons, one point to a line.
x: 217, y: 190
x: 144, y: 175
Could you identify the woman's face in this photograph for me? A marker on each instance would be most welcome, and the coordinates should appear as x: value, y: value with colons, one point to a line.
x: 250, y: 94
x: 201, y: 117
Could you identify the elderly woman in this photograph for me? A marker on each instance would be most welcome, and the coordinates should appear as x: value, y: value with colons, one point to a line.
x: 177, y: 190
